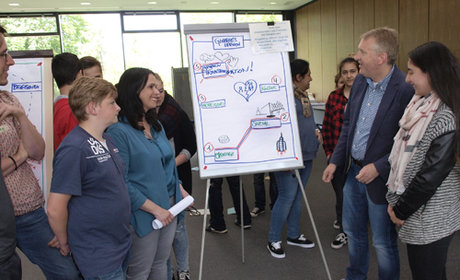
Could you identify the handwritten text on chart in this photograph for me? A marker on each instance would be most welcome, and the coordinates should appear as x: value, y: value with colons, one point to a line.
x: 265, y: 123
x: 227, y: 42
x: 213, y: 104
x: 26, y: 87
x: 226, y: 154
x: 220, y: 69
x: 269, y: 87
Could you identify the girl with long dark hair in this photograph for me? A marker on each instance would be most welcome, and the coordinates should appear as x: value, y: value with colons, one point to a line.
x: 151, y: 174
x: 424, y: 182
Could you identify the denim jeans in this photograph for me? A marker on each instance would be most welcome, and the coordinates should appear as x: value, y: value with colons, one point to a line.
x: 216, y: 206
x: 288, y: 203
x: 358, y: 209
x: 259, y: 190
x: 180, y: 248
x: 33, y: 234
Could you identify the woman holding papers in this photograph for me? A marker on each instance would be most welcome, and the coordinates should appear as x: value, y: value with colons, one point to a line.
x: 151, y: 173
x: 424, y: 182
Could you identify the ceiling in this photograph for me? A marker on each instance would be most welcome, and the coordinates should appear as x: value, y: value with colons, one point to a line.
x: 37, y: 6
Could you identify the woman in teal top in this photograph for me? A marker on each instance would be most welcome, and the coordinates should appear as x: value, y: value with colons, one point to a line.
x: 151, y: 174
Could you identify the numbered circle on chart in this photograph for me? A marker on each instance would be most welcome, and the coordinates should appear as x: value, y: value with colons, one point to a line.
x: 208, y: 148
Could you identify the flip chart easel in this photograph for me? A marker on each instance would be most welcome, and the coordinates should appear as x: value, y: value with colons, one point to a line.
x: 243, y: 105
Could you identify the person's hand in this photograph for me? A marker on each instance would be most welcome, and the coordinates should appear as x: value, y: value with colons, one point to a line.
x: 164, y: 216
x: 54, y: 243
x: 64, y: 249
x: 367, y: 174
x: 319, y: 136
x: 393, y: 217
x: 328, y: 173
x: 7, y: 109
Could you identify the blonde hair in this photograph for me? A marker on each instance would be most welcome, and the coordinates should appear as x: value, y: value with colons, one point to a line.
x: 387, y: 41
x: 85, y: 90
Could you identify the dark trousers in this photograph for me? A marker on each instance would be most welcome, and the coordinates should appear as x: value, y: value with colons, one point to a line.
x: 216, y: 206
x: 11, y: 268
x: 428, y: 262
x: 337, y: 184
x: 259, y: 190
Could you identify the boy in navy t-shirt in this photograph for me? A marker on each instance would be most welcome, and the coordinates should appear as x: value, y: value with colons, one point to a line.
x: 89, y: 206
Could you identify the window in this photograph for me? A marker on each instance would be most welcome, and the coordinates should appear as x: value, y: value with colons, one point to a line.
x: 258, y: 17
x: 149, y: 22
x: 155, y: 51
x: 32, y: 33
x: 97, y: 35
x: 30, y: 25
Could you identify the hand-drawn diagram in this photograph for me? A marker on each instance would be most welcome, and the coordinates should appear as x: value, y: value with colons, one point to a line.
x: 242, y: 104
x: 246, y: 89
x: 26, y: 83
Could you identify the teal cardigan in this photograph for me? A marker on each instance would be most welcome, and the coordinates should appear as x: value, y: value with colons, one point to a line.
x: 150, y: 171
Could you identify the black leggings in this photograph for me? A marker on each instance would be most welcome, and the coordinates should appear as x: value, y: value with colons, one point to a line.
x: 428, y: 262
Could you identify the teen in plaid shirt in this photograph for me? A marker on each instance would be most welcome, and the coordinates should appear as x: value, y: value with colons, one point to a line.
x: 332, y: 124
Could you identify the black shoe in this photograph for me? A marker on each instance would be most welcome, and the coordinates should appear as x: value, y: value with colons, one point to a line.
x: 211, y: 229
x: 257, y: 211
x: 340, y: 240
x: 248, y: 226
x: 183, y: 275
x: 276, y: 250
x: 301, y: 241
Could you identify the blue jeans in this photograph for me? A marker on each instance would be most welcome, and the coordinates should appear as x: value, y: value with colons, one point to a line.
x: 180, y: 248
x: 288, y: 203
x: 358, y: 209
x: 33, y: 234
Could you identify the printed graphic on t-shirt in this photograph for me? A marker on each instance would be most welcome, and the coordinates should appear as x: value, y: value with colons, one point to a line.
x: 98, y: 151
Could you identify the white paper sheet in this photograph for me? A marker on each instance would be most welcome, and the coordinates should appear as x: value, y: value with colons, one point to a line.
x: 175, y: 210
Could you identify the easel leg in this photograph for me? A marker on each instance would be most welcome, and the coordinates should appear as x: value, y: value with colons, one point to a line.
x: 313, y: 224
x: 208, y: 185
x: 242, y: 220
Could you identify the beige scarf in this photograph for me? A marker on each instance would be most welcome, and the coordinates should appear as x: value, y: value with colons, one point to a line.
x: 413, y: 124
x: 304, y: 100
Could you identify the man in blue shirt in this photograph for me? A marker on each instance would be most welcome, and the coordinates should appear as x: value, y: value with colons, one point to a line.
x: 89, y: 206
x: 377, y: 101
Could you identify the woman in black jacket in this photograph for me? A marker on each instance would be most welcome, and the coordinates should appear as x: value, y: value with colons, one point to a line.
x: 424, y: 182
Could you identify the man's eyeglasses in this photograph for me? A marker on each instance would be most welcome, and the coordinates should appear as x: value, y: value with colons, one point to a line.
x: 5, y: 54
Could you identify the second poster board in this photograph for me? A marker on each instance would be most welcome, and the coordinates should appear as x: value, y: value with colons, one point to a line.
x: 243, y: 103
